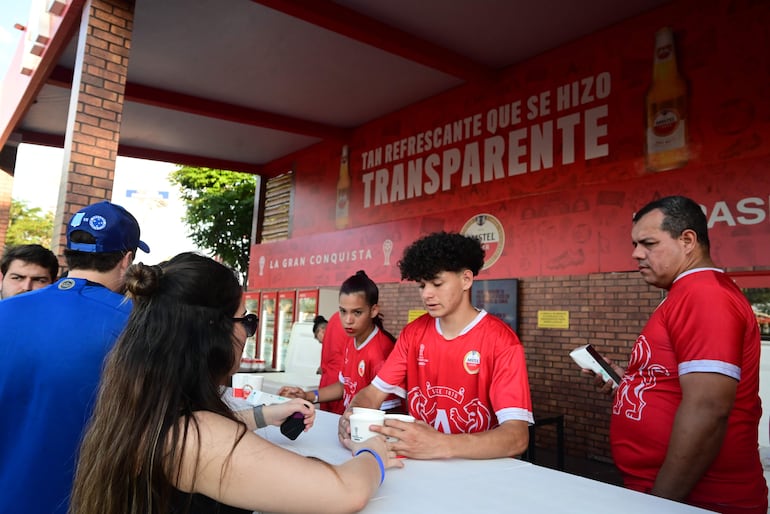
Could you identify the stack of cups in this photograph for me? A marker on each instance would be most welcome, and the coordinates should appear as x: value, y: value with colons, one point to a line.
x: 363, y: 418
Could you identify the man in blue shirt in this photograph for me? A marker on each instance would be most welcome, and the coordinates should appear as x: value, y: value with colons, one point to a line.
x: 53, y: 343
x: 25, y: 268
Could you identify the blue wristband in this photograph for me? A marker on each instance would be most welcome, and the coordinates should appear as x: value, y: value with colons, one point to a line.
x: 379, y: 461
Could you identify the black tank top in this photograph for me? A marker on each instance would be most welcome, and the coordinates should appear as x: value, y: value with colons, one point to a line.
x: 200, y: 504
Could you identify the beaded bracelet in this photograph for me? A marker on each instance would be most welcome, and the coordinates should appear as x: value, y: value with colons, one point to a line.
x: 379, y: 461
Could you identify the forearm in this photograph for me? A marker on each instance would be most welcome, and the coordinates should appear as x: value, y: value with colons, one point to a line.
x: 694, y: 444
x: 247, y: 417
x: 274, y: 414
x: 507, y: 440
x: 369, y: 397
x: 329, y: 393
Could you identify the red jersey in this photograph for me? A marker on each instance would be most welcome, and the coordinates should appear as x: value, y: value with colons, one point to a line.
x: 705, y: 324
x: 332, y: 356
x: 471, y: 383
x: 361, y: 365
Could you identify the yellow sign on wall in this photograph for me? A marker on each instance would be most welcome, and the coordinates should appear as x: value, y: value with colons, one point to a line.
x: 414, y: 314
x: 552, y: 319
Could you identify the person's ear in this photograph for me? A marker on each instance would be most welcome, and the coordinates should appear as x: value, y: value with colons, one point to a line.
x: 126, y: 261
x: 467, y: 279
x: 374, y: 311
x: 689, y: 239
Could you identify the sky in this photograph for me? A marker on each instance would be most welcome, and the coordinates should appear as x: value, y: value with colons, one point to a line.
x: 140, y: 186
x: 12, y: 12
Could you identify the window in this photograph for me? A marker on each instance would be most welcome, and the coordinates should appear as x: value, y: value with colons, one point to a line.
x: 279, y: 196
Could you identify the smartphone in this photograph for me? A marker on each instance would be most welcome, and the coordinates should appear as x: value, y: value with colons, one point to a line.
x: 587, y: 357
x: 293, y: 426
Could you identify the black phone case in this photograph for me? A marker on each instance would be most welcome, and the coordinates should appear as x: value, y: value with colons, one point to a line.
x: 293, y: 426
x: 598, y: 358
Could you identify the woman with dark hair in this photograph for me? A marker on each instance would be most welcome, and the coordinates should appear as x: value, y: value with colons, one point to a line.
x: 319, y: 328
x: 162, y: 440
x: 365, y: 345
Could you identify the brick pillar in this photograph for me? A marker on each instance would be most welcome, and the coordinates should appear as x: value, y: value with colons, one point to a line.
x: 6, y: 186
x: 7, y: 169
x: 96, y: 108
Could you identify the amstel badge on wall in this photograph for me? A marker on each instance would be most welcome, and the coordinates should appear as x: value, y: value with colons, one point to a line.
x: 487, y: 229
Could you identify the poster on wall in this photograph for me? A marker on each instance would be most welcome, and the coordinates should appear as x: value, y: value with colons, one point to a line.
x: 499, y: 298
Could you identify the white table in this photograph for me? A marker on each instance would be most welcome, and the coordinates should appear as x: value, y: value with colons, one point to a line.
x: 470, y: 486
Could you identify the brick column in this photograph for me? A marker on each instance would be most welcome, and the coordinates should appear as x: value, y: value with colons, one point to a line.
x: 6, y: 187
x: 7, y: 169
x: 96, y: 108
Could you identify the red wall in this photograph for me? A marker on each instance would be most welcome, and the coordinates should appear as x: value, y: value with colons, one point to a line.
x: 565, y: 229
x: 572, y: 215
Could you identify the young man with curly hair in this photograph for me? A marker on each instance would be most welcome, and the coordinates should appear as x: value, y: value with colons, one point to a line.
x: 465, y: 371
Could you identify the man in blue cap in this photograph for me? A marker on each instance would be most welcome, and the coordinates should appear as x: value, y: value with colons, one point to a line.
x: 54, y: 341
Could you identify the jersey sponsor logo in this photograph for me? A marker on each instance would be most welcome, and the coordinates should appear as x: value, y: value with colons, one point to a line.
x: 421, y: 360
x: 629, y: 400
x: 361, y: 367
x: 349, y: 389
x: 472, y: 362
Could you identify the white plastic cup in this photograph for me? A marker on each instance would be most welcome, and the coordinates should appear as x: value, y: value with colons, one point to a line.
x: 406, y: 418
x: 245, y: 383
x: 360, y: 423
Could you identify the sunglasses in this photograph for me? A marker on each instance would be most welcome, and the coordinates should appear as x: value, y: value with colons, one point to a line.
x: 249, y: 322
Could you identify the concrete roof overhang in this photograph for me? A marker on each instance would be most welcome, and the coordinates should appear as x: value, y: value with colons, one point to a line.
x: 238, y: 84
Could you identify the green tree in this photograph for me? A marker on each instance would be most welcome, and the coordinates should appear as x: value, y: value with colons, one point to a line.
x: 29, y: 225
x: 220, y: 206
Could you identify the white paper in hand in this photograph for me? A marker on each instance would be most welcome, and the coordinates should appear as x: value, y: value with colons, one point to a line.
x: 588, y: 358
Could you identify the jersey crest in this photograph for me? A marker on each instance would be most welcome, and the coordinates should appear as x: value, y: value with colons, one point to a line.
x: 455, y: 414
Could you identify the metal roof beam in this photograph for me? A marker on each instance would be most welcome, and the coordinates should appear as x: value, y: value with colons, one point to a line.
x: 175, y: 101
x: 57, y: 141
x: 349, y: 23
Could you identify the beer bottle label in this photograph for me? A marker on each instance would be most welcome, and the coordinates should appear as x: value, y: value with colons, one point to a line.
x: 342, y: 203
x: 666, y: 131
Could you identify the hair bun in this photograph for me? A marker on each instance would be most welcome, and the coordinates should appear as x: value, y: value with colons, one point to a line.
x: 142, y: 279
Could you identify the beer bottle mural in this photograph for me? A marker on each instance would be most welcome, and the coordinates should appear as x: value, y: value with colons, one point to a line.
x: 666, y: 108
x: 342, y: 216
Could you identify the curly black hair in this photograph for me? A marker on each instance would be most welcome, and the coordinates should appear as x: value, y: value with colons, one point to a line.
x: 438, y: 252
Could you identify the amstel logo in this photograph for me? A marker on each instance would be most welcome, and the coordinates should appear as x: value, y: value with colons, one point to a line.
x: 487, y: 229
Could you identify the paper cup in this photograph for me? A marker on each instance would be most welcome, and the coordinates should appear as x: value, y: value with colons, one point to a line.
x: 245, y: 383
x: 371, y: 412
x: 360, y: 423
x: 406, y: 418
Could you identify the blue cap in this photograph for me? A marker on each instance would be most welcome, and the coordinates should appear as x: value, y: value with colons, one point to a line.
x: 113, y: 227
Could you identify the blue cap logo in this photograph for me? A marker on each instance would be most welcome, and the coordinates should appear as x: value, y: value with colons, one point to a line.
x: 97, y: 222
